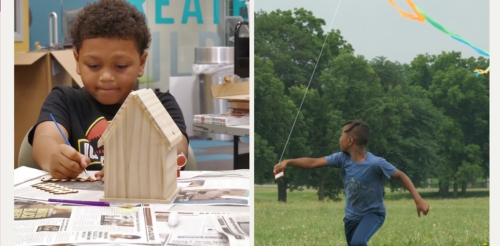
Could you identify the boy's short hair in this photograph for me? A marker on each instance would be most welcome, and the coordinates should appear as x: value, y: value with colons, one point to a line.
x: 111, y: 19
x: 360, y: 131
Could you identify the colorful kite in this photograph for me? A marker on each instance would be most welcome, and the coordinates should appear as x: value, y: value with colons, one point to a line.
x: 421, y: 17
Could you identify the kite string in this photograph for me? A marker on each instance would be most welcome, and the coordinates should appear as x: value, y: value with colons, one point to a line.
x: 310, y: 80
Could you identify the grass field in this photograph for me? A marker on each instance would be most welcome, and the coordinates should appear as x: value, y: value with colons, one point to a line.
x: 303, y: 220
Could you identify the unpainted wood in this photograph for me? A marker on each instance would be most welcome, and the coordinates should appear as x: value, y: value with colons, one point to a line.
x: 169, y: 199
x: 139, y: 159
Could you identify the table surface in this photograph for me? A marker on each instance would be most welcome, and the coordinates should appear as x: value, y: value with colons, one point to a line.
x: 241, y: 130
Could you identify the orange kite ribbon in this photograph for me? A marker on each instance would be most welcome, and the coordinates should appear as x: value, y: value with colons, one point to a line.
x: 419, y: 17
x: 481, y: 71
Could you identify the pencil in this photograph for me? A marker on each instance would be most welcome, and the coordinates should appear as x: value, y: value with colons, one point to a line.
x: 65, y: 139
x: 89, y: 203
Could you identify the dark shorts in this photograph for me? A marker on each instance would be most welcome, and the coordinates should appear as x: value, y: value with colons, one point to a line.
x: 358, y: 232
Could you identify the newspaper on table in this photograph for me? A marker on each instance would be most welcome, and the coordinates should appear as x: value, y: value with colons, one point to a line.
x: 236, y: 227
x: 213, y: 191
x: 198, y: 228
x: 41, y: 223
x: 242, y: 173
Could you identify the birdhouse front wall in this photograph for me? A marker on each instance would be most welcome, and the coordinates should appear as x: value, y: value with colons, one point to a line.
x: 138, y: 161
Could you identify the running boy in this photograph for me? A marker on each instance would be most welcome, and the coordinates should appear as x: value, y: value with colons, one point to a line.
x: 110, y: 39
x: 363, y: 175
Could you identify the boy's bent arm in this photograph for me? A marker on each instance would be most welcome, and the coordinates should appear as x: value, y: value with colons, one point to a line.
x: 305, y: 162
x: 47, y: 138
x: 422, y: 206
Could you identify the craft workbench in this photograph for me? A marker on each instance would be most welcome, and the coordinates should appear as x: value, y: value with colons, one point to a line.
x: 25, y: 178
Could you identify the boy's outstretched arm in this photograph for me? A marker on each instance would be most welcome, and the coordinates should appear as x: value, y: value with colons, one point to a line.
x: 422, y: 206
x: 304, y: 162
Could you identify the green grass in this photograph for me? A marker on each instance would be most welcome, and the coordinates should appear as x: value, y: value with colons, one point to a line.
x: 303, y: 220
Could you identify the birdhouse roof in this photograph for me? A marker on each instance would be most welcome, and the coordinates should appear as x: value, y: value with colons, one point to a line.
x: 156, y: 113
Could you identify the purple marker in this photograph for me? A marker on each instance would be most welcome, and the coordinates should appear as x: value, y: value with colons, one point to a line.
x: 88, y: 203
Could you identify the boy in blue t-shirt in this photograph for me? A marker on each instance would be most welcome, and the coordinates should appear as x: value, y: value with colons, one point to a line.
x: 363, y: 175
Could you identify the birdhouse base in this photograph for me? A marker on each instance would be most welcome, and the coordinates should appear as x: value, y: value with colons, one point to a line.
x: 169, y: 199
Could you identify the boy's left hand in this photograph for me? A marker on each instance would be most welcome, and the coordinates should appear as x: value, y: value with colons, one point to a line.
x: 100, y: 175
x: 423, y: 207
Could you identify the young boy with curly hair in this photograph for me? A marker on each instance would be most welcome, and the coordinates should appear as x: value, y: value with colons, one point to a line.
x: 363, y: 175
x: 110, y: 39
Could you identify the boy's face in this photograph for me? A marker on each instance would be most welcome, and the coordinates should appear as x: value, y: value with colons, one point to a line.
x: 109, y: 68
x: 345, y: 140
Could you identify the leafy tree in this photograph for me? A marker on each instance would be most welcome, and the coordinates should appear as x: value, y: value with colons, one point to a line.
x: 264, y: 159
x: 324, y: 128
x: 293, y: 41
x: 391, y: 74
x: 274, y: 116
x: 465, y: 100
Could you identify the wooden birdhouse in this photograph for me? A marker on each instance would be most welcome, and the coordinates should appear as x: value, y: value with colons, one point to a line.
x: 140, y: 154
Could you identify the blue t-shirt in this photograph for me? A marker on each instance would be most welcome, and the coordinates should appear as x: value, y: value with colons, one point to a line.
x: 363, y: 182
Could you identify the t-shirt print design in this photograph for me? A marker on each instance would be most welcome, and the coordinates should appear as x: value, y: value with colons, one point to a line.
x: 88, y: 146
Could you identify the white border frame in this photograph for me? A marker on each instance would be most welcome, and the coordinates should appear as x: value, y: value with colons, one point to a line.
x: 19, y: 21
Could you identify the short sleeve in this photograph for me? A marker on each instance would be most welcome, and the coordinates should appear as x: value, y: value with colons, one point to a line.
x: 387, y: 168
x: 57, y: 105
x: 335, y: 159
x: 174, y: 110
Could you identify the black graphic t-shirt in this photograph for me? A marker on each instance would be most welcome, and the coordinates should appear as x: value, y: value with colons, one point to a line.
x: 85, y: 119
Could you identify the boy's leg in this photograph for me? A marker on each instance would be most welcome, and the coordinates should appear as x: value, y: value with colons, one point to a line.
x: 350, y: 228
x: 367, y: 226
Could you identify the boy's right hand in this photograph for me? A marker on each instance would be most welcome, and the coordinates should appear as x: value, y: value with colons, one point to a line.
x: 280, y: 167
x: 66, y: 162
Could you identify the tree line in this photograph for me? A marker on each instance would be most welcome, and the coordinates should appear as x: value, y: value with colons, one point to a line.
x: 429, y: 118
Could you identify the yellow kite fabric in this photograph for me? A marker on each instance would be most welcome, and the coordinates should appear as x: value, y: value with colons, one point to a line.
x: 421, y: 16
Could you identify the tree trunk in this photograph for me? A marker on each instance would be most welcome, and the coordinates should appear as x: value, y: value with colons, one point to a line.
x: 321, y: 188
x: 455, y: 189
x: 464, y: 187
x: 443, y: 189
x: 282, y: 191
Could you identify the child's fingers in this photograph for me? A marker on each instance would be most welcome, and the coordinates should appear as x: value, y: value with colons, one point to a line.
x: 66, y: 168
x: 100, y: 176
x: 57, y: 174
x: 85, y: 161
x: 277, y: 168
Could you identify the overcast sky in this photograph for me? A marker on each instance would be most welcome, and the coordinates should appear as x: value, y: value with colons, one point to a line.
x: 375, y: 27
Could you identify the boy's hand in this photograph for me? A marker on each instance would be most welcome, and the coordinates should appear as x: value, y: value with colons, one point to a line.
x: 423, y: 207
x: 100, y: 175
x: 66, y: 162
x: 280, y: 167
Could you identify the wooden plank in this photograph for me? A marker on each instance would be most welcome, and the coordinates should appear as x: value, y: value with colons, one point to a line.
x: 120, y: 166
x: 109, y: 171
x: 171, y: 171
x: 145, y: 151
x: 168, y: 200
x: 134, y: 133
